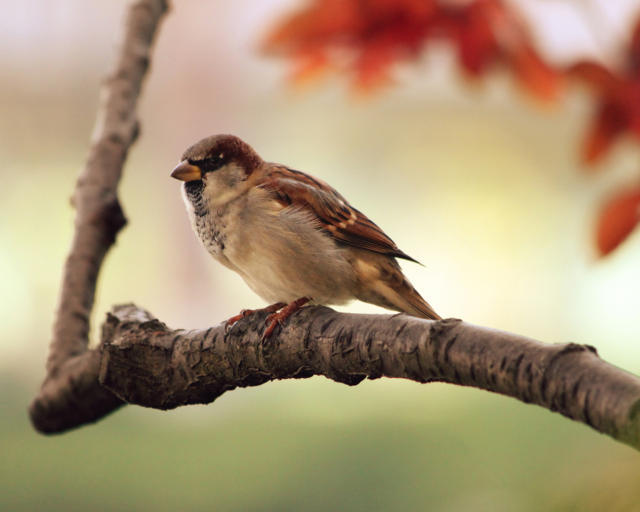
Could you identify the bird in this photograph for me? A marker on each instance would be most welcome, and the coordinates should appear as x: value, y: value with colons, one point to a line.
x: 292, y: 238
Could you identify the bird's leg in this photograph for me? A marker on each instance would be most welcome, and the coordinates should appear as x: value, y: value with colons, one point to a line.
x: 246, y: 312
x: 278, y: 318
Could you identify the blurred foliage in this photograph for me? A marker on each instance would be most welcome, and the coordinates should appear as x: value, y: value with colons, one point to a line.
x: 377, y: 34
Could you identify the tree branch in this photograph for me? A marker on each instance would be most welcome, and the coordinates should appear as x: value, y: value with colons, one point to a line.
x: 99, y: 216
x: 142, y: 361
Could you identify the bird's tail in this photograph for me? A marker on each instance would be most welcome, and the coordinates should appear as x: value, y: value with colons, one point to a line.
x: 413, y: 303
x: 392, y: 290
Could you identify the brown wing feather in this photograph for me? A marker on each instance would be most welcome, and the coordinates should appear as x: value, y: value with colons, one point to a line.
x: 341, y: 220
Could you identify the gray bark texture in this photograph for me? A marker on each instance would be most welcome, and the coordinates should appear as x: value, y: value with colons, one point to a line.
x: 142, y: 361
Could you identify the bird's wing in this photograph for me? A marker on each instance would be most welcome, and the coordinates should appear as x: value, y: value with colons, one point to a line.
x: 335, y: 215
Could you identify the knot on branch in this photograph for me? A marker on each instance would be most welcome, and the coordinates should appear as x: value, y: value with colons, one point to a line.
x: 109, y: 218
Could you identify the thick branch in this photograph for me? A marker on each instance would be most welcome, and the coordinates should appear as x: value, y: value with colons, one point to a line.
x: 146, y: 363
x: 99, y: 216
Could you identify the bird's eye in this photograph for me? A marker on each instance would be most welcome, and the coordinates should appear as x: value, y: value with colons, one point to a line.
x: 212, y: 163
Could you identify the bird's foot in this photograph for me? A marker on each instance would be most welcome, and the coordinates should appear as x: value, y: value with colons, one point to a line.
x: 247, y: 312
x: 278, y: 318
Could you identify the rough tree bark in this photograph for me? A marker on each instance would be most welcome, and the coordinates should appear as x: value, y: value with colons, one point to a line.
x: 142, y: 361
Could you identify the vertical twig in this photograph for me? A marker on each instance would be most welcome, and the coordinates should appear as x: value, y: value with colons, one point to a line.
x: 99, y: 216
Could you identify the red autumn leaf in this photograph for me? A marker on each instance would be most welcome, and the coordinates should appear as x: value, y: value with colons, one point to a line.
x: 471, y: 30
x: 309, y: 66
x: 367, y: 37
x: 618, y: 102
x: 610, y: 122
x: 594, y: 74
x: 371, y: 34
x: 617, y: 220
x: 312, y: 26
x: 618, y: 113
x: 535, y: 75
x: 373, y: 65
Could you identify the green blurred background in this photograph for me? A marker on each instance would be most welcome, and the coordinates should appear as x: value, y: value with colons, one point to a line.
x: 476, y: 182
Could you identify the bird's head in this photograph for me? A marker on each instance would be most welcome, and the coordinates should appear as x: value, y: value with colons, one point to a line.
x: 216, y: 168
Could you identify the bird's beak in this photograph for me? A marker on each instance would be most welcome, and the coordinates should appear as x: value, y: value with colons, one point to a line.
x: 186, y: 172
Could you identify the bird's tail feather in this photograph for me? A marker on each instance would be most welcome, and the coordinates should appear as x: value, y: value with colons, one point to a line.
x: 417, y: 306
x: 402, y: 297
x: 384, y: 284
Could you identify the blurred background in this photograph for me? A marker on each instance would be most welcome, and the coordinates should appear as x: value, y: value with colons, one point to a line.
x: 476, y: 181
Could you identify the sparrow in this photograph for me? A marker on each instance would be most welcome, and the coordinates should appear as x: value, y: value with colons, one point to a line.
x: 290, y: 236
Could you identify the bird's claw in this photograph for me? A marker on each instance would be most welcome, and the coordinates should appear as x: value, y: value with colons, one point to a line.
x: 230, y: 322
x: 278, y: 317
